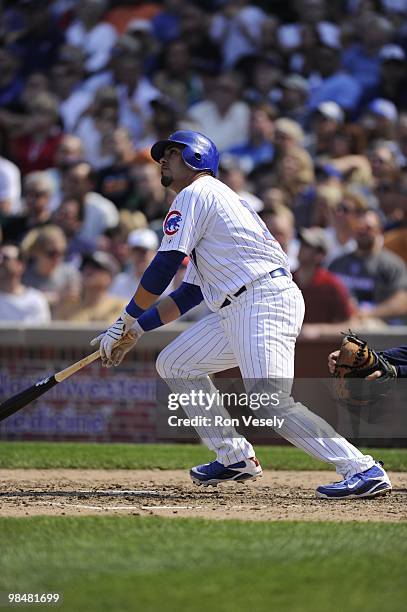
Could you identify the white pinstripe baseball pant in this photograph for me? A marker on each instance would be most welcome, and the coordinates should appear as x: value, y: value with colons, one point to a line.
x: 256, y: 332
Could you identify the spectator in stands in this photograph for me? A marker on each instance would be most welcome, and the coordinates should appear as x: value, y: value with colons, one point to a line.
x: 268, y: 43
x: 335, y: 85
x: 10, y: 182
x: 264, y: 78
x: 343, y: 220
x: 38, y: 191
x: 304, y: 59
x: 143, y: 244
x: 376, y: 278
x: 36, y: 149
x: 309, y: 13
x: 94, y: 303
x: 384, y: 165
x: 79, y: 182
x: 69, y: 216
x: 149, y: 194
x: 326, y: 122
x: 259, y: 148
x: 96, y: 126
x: 175, y: 78
x: 280, y: 221
x: 362, y: 59
x: 167, y: 23
x: 67, y: 77
x: 295, y: 176
x: 18, y: 302
x: 326, y: 297
x: 205, y: 54
x: 11, y: 81
x: 274, y: 197
x: 116, y: 181
x: 37, y: 37
x: 16, y: 119
x: 133, y: 89
x: 402, y: 139
x: 163, y: 121
x: 379, y: 120
x: 44, y: 248
x: 237, y: 30
x: 115, y: 240
x: 233, y: 175
x: 294, y: 96
x: 90, y: 33
x: 393, y: 80
x: 288, y: 134
x: 69, y: 152
x: 219, y: 116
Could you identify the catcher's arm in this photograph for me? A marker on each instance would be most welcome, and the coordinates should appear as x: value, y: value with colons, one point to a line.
x: 332, y: 361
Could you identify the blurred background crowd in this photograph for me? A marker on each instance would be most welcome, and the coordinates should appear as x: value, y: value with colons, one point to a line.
x: 305, y: 99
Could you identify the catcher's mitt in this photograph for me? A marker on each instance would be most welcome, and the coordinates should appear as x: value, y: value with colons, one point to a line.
x: 356, y: 361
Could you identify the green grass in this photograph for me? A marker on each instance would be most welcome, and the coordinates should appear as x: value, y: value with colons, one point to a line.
x: 160, y: 456
x: 151, y: 564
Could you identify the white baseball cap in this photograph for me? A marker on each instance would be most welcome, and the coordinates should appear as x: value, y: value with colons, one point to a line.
x: 143, y: 238
x: 392, y: 53
x: 384, y: 108
x: 331, y: 110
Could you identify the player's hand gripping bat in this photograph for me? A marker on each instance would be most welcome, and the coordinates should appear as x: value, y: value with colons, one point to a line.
x: 30, y: 394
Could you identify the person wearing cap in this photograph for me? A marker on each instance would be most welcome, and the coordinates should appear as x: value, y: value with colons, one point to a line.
x: 326, y: 298
x: 293, y: 103
x: 326, y: 121
x: 143, y: 244
x: 379, y: 120
x: 392, y: 84
x: 94, y: 303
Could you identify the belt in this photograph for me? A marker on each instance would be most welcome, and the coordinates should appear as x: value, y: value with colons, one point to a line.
x: 273, y: 274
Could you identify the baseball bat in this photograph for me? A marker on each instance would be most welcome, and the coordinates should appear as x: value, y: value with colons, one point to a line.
x: 18, y: 401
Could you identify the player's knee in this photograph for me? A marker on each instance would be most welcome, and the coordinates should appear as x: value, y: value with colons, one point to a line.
x: 166, y: 364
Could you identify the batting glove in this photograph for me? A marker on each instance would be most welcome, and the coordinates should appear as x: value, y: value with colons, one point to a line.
x: 126, y: 344
x: 112, y: 335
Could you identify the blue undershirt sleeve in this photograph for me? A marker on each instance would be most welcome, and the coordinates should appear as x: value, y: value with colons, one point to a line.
x: 187, y: 296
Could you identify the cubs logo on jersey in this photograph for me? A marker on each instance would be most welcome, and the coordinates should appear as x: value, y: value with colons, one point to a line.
x: 172, y: 222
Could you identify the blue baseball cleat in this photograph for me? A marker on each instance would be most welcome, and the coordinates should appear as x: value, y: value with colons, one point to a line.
x: 369, y: 483
x: 214, y: 472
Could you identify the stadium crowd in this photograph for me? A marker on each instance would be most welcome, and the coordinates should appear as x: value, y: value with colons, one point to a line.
x: 305, y: 99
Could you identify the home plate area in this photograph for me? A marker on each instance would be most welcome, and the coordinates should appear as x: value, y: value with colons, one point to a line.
x: 282, y: 495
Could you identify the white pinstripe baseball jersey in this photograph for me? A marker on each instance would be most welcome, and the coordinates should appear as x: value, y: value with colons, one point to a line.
x: 228, y: 243
x: 230, y: 247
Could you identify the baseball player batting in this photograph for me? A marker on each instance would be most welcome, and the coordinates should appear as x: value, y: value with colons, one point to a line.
x: 241, y: 272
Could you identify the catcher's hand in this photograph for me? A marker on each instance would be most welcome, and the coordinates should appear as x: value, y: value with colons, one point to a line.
x: 356, y: 360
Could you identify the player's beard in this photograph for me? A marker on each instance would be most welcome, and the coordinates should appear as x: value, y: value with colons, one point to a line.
x: 166, y: 180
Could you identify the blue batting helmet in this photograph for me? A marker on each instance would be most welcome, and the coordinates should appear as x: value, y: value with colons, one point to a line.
x: 199, y: 153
